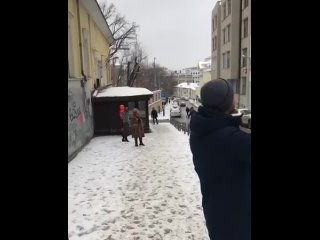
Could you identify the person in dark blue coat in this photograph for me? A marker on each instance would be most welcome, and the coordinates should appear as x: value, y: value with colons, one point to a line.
x: 222, y: 160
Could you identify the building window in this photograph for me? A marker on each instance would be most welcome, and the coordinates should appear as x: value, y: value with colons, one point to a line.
x: 99, y: 69
x: 237, y: 86
x: 245, y: 3
x: 229, y: 7
x: 213, y: 25
x: 228, y: 59
x: 244, y: 57
x: 224, y: 35
x: 224, y: 10
x: 243, y: 86
x: 86, y: 63
x: 245, y: 28
x: 212, y: 44
x: 215, y: 43
x: 98, y: 83
x: 215, y: 22
x: 213, y: 64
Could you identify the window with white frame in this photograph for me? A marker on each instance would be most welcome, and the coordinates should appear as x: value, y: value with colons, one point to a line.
x: 243, y: 86
x: 228, y: 32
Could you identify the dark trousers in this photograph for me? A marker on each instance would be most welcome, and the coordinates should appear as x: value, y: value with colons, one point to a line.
x: 154, y: 118
x: 136, y: 141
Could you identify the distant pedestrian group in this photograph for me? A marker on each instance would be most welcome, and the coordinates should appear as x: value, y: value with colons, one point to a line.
x: 135, y: 125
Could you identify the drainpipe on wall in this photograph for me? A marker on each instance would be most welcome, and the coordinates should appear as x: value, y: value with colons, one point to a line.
x: 80, y: 43
x: 240, y: 53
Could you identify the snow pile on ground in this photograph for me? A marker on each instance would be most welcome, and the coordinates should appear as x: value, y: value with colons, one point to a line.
x: 119, y: 191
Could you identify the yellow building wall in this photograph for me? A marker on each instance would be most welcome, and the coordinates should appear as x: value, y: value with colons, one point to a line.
x: 72, y: 11
x: 98, y: 45
x: 100, y: 50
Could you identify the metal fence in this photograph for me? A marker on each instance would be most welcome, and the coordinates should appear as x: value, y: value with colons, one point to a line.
x: 180, y: 126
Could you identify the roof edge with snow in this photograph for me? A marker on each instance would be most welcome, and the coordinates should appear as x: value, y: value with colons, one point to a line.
x: 114, y: 92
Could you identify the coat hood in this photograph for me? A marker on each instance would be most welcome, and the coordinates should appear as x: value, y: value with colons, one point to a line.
x: 206, y: 120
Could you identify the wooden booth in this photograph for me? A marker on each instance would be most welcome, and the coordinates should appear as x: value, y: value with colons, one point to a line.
x: 106, y: 106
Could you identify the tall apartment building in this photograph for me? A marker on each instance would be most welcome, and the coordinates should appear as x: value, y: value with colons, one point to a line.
x: 245, y: 83
x: 190, y: 75
x: 194, y: 72
x: 215, y: 40
x: 230, y: 49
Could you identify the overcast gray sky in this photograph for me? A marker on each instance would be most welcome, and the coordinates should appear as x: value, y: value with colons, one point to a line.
x: 176, y: 32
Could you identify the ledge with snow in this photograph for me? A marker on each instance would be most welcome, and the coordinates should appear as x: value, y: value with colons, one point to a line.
x: 106, y: 104
x: 122, y: 92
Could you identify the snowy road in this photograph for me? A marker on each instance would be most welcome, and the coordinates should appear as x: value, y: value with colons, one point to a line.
x: 119, y: 191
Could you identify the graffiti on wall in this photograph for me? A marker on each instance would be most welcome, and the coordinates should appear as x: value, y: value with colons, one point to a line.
x: 74, y: 112
x: 80, y: 122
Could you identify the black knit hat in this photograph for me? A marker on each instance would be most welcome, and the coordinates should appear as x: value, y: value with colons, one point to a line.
x: 217, y: 94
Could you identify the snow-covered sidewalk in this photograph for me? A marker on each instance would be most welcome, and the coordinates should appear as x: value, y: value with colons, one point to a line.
x: 122, y: 192
x: 166, y: 116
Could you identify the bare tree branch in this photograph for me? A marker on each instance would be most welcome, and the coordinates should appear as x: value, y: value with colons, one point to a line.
x: 122, y: 31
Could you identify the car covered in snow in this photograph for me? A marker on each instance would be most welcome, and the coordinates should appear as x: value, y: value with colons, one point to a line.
x: 182, y: 104
x: 175, y: 111
x: 246, y: 119
x: 246, y: 116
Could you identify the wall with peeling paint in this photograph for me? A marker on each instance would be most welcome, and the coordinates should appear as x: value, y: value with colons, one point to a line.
x: 80, y: 118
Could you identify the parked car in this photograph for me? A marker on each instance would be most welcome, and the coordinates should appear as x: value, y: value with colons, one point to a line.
x: 246, y: 116
x: 238, y: 112
x: 246, y: 120
x: 176, y: 102
x: 175, y: 111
